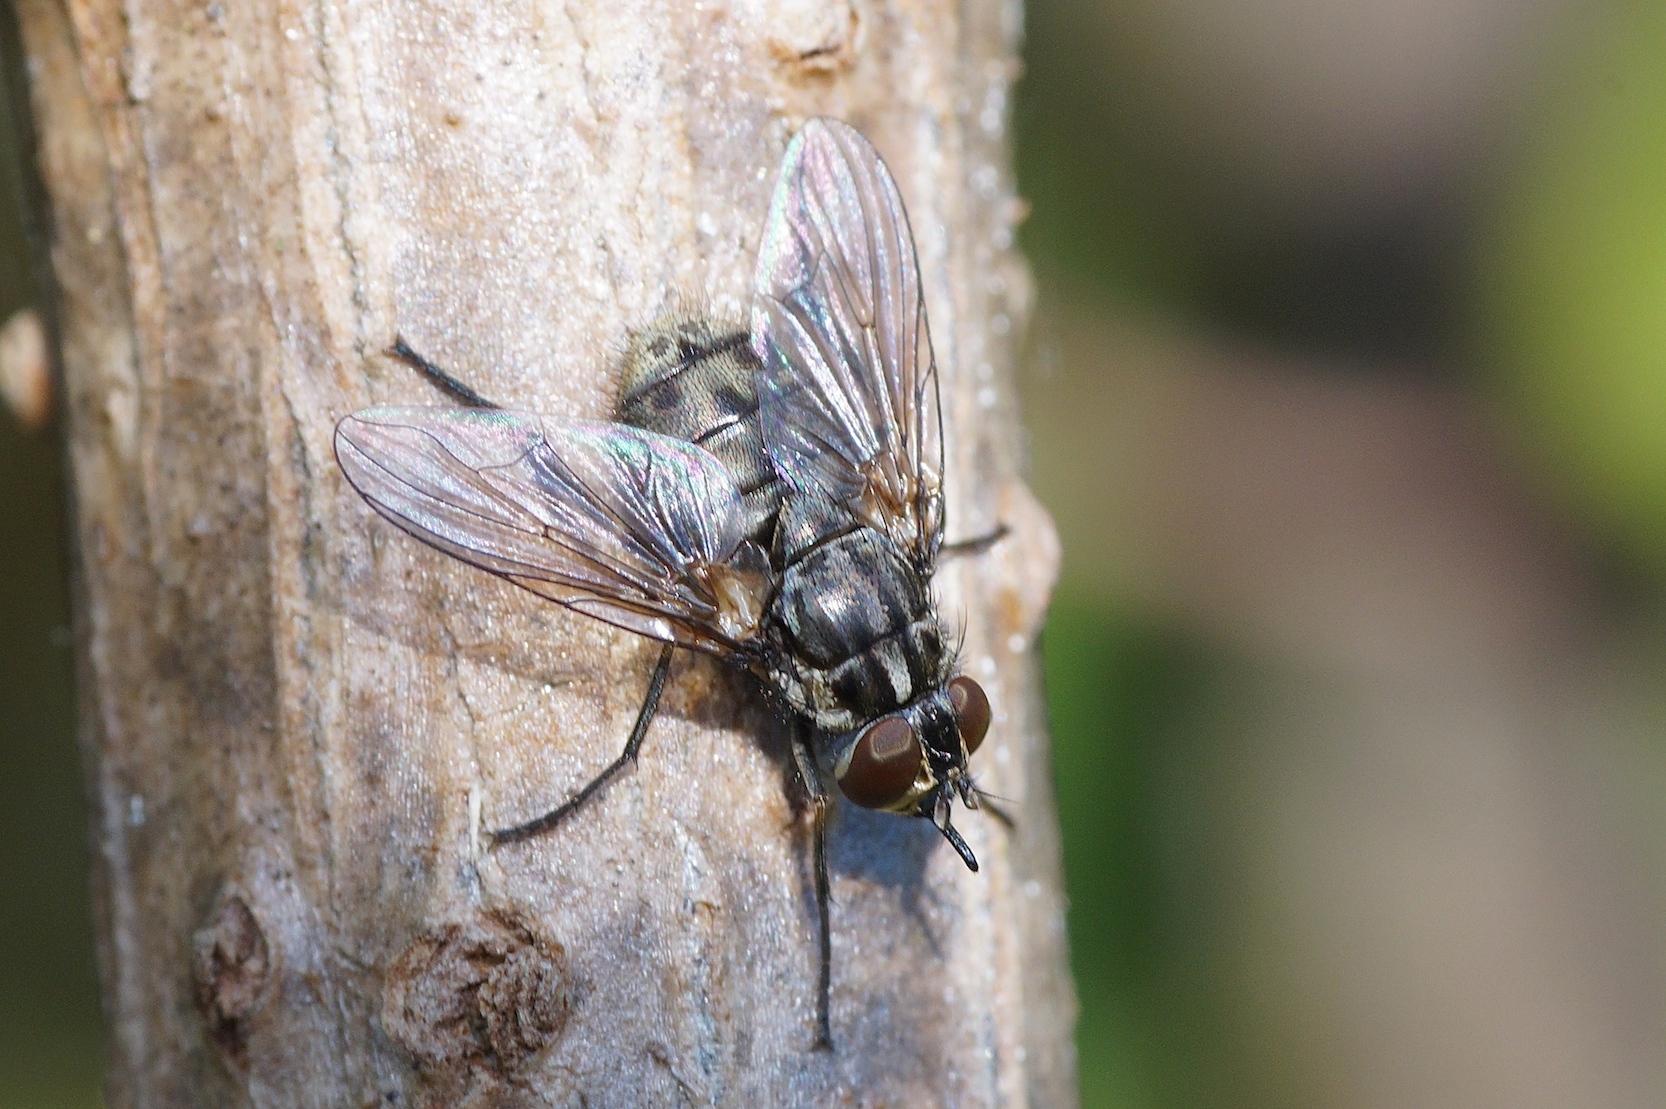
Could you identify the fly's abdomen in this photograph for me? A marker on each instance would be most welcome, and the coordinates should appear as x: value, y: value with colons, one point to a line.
x: 696, y: 379
x: 740, y: 447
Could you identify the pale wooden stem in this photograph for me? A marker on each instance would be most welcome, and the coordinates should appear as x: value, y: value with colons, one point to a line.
x: 296, y: 719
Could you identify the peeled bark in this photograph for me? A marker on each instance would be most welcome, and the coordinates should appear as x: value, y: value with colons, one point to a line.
x: 296, y: 719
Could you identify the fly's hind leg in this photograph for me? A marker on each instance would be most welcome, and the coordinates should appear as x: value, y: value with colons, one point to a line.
x: 442, y: 380
x: 650, y: 704
x: 805, y: 761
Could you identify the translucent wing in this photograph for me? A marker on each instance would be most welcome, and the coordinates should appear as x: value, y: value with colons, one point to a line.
x: 634, y: 528
x: 848, y: 392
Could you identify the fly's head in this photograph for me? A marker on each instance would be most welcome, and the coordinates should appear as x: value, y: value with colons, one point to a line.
x: 913, y: 761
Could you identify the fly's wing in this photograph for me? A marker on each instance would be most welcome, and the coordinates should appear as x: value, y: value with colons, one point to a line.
x: 848, y: 391
x: 630, y: 527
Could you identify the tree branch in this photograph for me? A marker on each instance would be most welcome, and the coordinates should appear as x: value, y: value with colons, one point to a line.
x: 296, y: 719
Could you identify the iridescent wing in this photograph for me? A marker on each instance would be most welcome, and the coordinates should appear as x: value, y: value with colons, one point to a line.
x: 634, y: 528
x: 848, y: 391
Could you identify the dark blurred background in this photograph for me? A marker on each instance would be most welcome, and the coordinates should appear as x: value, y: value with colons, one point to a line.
x: 50, y: 1046
x: 1347, y: 387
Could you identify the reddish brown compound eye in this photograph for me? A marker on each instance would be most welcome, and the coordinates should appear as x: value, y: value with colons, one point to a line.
x: 883, y: 764
x: 971, y: 709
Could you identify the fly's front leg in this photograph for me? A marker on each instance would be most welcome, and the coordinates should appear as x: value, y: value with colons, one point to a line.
x: 975, y: 545
x: 805, y: 761
x: 650, y: 704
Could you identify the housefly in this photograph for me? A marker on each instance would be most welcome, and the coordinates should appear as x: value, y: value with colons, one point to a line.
x: 769, y: 496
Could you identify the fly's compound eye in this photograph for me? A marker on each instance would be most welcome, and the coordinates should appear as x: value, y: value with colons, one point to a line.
x: 971, y: 710
x: 882, y: 765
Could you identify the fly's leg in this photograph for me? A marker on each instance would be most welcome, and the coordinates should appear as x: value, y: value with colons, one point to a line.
x: 656, y: 686
x: 444, y: 381
x: 976, y: 545
x: 806, y: 764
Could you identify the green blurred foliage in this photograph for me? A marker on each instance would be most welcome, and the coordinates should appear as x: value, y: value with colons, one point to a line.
x: 49, y: 1032
x: 49, y: 1023
x: 1124, y: 709
x: 50, y: 1052
x: 1108, y: 213
x: 1122, y: 213
x: 1111, y: 217
x: 1572, y: 281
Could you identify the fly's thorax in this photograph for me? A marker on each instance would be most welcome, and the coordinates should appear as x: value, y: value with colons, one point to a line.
x: 847, y: 595
x: 844, y: 586
x: 853, y: 617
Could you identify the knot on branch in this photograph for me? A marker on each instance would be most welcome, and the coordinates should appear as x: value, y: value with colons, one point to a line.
x: 488, y: 992
x: 524, y: 1002
x: 233, y: 965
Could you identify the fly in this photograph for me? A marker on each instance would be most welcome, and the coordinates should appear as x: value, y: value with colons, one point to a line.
x: 771, y: 496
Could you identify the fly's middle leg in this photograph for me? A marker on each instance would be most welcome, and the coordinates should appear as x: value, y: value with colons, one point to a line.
x: 806, y: 764
x: 650, y: 704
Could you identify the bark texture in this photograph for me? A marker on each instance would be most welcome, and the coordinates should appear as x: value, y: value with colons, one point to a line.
x: 296, y: 718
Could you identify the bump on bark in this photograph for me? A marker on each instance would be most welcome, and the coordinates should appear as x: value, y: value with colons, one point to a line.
x: 476, y: 1000
x: 233, y: 966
